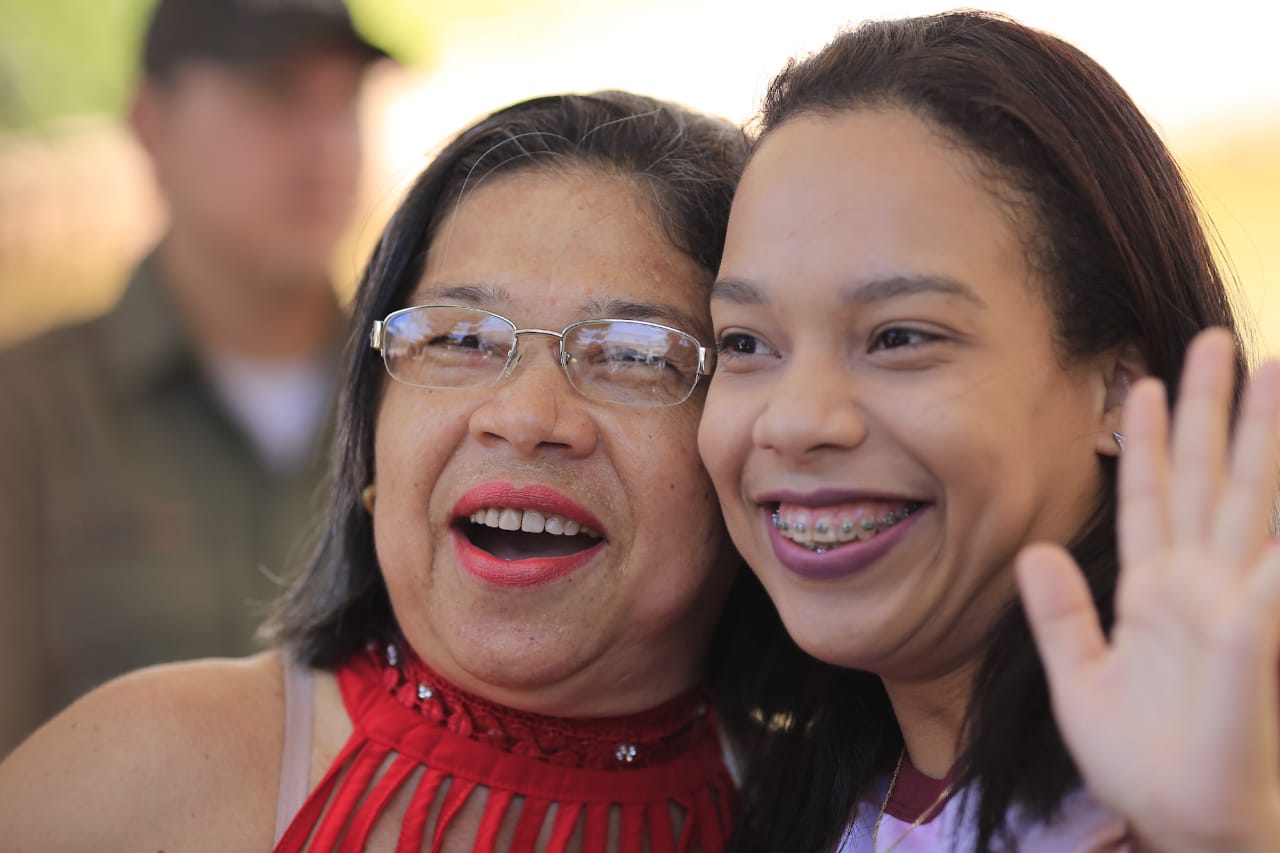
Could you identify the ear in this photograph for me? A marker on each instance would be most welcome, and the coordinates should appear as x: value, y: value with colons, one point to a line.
x: 1121, y: 367
x: 147, y: 113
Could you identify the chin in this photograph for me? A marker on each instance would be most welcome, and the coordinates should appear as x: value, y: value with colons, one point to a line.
x: 833, y: 629
x: 513, y: 660
x: 522, y: 674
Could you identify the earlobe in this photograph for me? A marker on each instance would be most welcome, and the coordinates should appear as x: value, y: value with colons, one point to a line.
x: 1122, y: 367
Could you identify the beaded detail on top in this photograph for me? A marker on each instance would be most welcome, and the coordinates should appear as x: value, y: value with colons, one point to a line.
x: 431, y: 768
x: 637, y: 740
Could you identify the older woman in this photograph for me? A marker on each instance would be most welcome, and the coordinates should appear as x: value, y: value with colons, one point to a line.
x: 501, y: 642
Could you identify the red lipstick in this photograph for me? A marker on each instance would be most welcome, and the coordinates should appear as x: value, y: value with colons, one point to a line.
x: 528, y: 572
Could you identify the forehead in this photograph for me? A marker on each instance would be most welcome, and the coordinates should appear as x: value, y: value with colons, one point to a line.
x: 293, y: 75
x: 868, y: 192
x: 554, y: 238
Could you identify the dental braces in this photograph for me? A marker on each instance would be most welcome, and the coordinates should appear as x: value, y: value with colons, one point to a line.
x: 867, y: 524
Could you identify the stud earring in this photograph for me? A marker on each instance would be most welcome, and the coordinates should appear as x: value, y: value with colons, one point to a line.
x: 1119, y: 440
x: 368, y: 497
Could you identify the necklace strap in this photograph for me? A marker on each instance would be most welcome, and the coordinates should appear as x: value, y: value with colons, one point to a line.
x: 925, y: 814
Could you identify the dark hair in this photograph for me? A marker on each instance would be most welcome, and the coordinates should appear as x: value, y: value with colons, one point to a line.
x: 236, y: 33
x: 1115, y: 235
x: 688, y: 163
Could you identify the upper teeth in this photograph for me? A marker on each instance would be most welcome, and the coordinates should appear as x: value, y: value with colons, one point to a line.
x: 530, y: 521
x: 820, y: 533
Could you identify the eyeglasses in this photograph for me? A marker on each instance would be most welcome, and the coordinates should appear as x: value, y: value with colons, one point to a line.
x: 619, y: 361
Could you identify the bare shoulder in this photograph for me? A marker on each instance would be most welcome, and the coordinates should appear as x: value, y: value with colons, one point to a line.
x: 179, y: 756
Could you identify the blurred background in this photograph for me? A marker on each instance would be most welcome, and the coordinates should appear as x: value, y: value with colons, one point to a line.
x: 77, y: 205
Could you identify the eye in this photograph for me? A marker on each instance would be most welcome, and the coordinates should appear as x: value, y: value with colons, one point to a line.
x: 456, y: 340
x: 624, y: 357
x: 898, y: 337
x: 735, y: 344
x: 453, y: 340
x: 741, y: 352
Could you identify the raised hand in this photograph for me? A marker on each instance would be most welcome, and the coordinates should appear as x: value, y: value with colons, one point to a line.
x: 1174, y: 720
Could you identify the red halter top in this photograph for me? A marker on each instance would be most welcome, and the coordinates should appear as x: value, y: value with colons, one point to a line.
x: 430, y: 767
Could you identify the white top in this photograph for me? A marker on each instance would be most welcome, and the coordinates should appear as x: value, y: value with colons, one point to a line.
x: 1084, y: 826
x: 280, y: 407
x: 295, y: 761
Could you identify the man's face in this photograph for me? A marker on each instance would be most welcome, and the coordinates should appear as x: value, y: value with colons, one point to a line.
x: 260, y: 163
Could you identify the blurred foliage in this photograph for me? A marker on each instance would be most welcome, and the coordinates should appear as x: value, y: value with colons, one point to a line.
x: 75, y: 57
x: 63, y: 57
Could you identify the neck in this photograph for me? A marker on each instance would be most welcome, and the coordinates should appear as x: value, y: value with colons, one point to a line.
x: 931, y: 716
x: 233, y: 306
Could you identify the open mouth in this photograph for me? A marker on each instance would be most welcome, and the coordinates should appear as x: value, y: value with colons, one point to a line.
x: 826, y: 528
x: 512, y: 534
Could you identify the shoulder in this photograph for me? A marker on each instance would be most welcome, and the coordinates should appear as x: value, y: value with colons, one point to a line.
x: 62, y: 349
x: 154, y: 759
x: 48, y: 382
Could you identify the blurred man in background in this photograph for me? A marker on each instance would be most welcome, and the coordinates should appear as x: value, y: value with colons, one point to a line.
x: 159, y: 465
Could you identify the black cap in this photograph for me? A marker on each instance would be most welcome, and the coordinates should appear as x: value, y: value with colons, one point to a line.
x: 245, y: 32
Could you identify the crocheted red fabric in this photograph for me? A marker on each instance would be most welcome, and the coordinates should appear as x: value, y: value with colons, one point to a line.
x: 431, y: 767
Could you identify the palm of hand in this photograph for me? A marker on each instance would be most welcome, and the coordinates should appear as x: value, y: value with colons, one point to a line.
x: 1174, y: 720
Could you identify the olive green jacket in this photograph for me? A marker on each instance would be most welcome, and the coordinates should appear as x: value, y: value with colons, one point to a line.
x: 137, y: 524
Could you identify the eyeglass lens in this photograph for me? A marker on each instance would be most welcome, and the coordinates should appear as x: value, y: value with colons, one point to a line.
x: 625, y: 361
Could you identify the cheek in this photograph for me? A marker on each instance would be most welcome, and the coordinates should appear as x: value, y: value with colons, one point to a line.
x: 413, y: 440
x: 1012, y: 466
x: 722, y: 439
x: 412, y: 444
x: 676, y: 487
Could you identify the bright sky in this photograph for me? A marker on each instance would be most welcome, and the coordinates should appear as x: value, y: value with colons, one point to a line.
x: 1184, y: 69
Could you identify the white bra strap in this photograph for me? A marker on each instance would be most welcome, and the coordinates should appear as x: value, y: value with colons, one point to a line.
x: 295, y: 762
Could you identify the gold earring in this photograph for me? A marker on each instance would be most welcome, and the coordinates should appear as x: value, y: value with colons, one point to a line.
x: 369, y: 496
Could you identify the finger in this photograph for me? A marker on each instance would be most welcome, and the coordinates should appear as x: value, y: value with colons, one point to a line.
x: 1143, y: 514
x: 1060, y: 610
x: 1262, y: 595
x: 1243, y: 674
x: 1200, y: 434
x: 1244, y: 519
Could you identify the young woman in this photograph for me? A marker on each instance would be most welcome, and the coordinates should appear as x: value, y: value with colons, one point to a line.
x: 961, y: 271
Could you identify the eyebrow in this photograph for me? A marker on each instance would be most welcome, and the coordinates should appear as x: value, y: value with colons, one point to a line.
x: 744, y: 292
x: 479, y: 295
x: 624, y: 309
x: 487, y: 296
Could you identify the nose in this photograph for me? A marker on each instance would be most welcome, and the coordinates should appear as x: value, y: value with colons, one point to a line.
x: 534, y: 409
x: 335, y: 137
x: 810, y: 409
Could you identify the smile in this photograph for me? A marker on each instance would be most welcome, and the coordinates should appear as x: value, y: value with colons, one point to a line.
x: 823, y: 529
x: 832, y: 535
x: 530, y: 521
x: 515, y: 533
x: 523, y: 536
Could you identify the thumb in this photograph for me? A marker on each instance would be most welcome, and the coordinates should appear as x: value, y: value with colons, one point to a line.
x: 1063, y: 619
